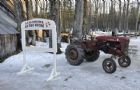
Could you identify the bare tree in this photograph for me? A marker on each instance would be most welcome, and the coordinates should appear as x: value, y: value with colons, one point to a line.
x: 55, y: 15
x: 137, y: 17
x: 120, y: 15
x: 112, y: 15
x: 27, y: 8
x: 54, y: 11
x: 71, y: 18
x: 47, y: 4
x: 107, y: 16
x: 29, y: 11
x: 18, y: 13
x: 124, y: 15
x: 103, y: 13
x: 77, y: 30
x: 127, y: 14
x: 64, y: 16
x: 67, y: 15
x: 89, y: 16
x: 18, y: 9
x: 96, y: 12
x: 36, y: 7
x: 85, y: 17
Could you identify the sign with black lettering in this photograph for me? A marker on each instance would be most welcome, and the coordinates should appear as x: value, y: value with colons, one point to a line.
x: 38, y: 23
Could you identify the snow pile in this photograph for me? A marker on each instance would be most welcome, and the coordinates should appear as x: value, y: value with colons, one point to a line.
x: 100, y: 33
x: 87, y: 76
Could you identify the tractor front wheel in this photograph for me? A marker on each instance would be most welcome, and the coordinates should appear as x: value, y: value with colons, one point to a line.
x: 74, y: 55
x: 109, y: 65
x: 124, y: 61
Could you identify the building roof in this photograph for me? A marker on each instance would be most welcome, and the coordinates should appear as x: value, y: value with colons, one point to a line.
x: 7, y: 25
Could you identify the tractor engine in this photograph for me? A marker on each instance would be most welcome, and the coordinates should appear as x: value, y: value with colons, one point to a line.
x: 113, y: 45
x: 107, y: 46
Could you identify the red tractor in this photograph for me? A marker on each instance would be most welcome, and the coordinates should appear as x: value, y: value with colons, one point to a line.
x: 89, y: 49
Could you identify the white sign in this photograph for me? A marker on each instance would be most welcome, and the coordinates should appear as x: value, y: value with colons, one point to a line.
x: 39, y: 24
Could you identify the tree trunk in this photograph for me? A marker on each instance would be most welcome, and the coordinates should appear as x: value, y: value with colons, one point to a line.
x: 64, y: 16
x: 96, y: 12
x: 124, y: 15
x: 36, y: 7
x: 46, y: 5
x: 27, y: 9
x: 112, y: 15
x: 31, y: 16
x: 77, y: 29
x: 103, y: 14
x: 85, y: 15
x: 19, y: 18
x: 120, y: 16
x: 18, y: 13
x: 55, y: 15
x: 127, y: 14
x: 137, y: 20
x: 89, y: 16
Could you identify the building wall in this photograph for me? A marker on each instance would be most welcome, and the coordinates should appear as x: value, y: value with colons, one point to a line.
x: 8, y: 44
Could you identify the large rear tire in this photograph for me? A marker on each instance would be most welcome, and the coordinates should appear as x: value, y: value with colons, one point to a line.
x: 74, y: 55
x: 109, y: 65
x: 124, y: 61
x: 91, y: 56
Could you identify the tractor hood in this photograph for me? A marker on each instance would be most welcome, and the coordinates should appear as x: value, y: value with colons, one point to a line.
x: 112, y: 38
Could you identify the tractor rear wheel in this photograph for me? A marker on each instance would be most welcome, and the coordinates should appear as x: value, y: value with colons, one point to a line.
x: 124, y: 61
x: 92, y: 56
x: 109, y: 65
x: 74, y: 55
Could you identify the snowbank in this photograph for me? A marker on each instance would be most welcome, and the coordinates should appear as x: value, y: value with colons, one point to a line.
x: 87, y: 76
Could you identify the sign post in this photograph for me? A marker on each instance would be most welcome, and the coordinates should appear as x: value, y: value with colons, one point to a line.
x: 39, y: 24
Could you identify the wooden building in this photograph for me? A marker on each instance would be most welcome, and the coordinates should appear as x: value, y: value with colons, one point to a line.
x: 8, y: 33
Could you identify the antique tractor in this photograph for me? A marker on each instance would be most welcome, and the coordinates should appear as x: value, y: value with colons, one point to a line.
x: 89, y: 50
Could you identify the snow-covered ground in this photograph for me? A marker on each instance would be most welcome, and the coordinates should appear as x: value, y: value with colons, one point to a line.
x: 87, y: 76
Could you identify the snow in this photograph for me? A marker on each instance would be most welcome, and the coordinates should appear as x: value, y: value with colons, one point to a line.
x: 100, y: 33
x: 87, y: 76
